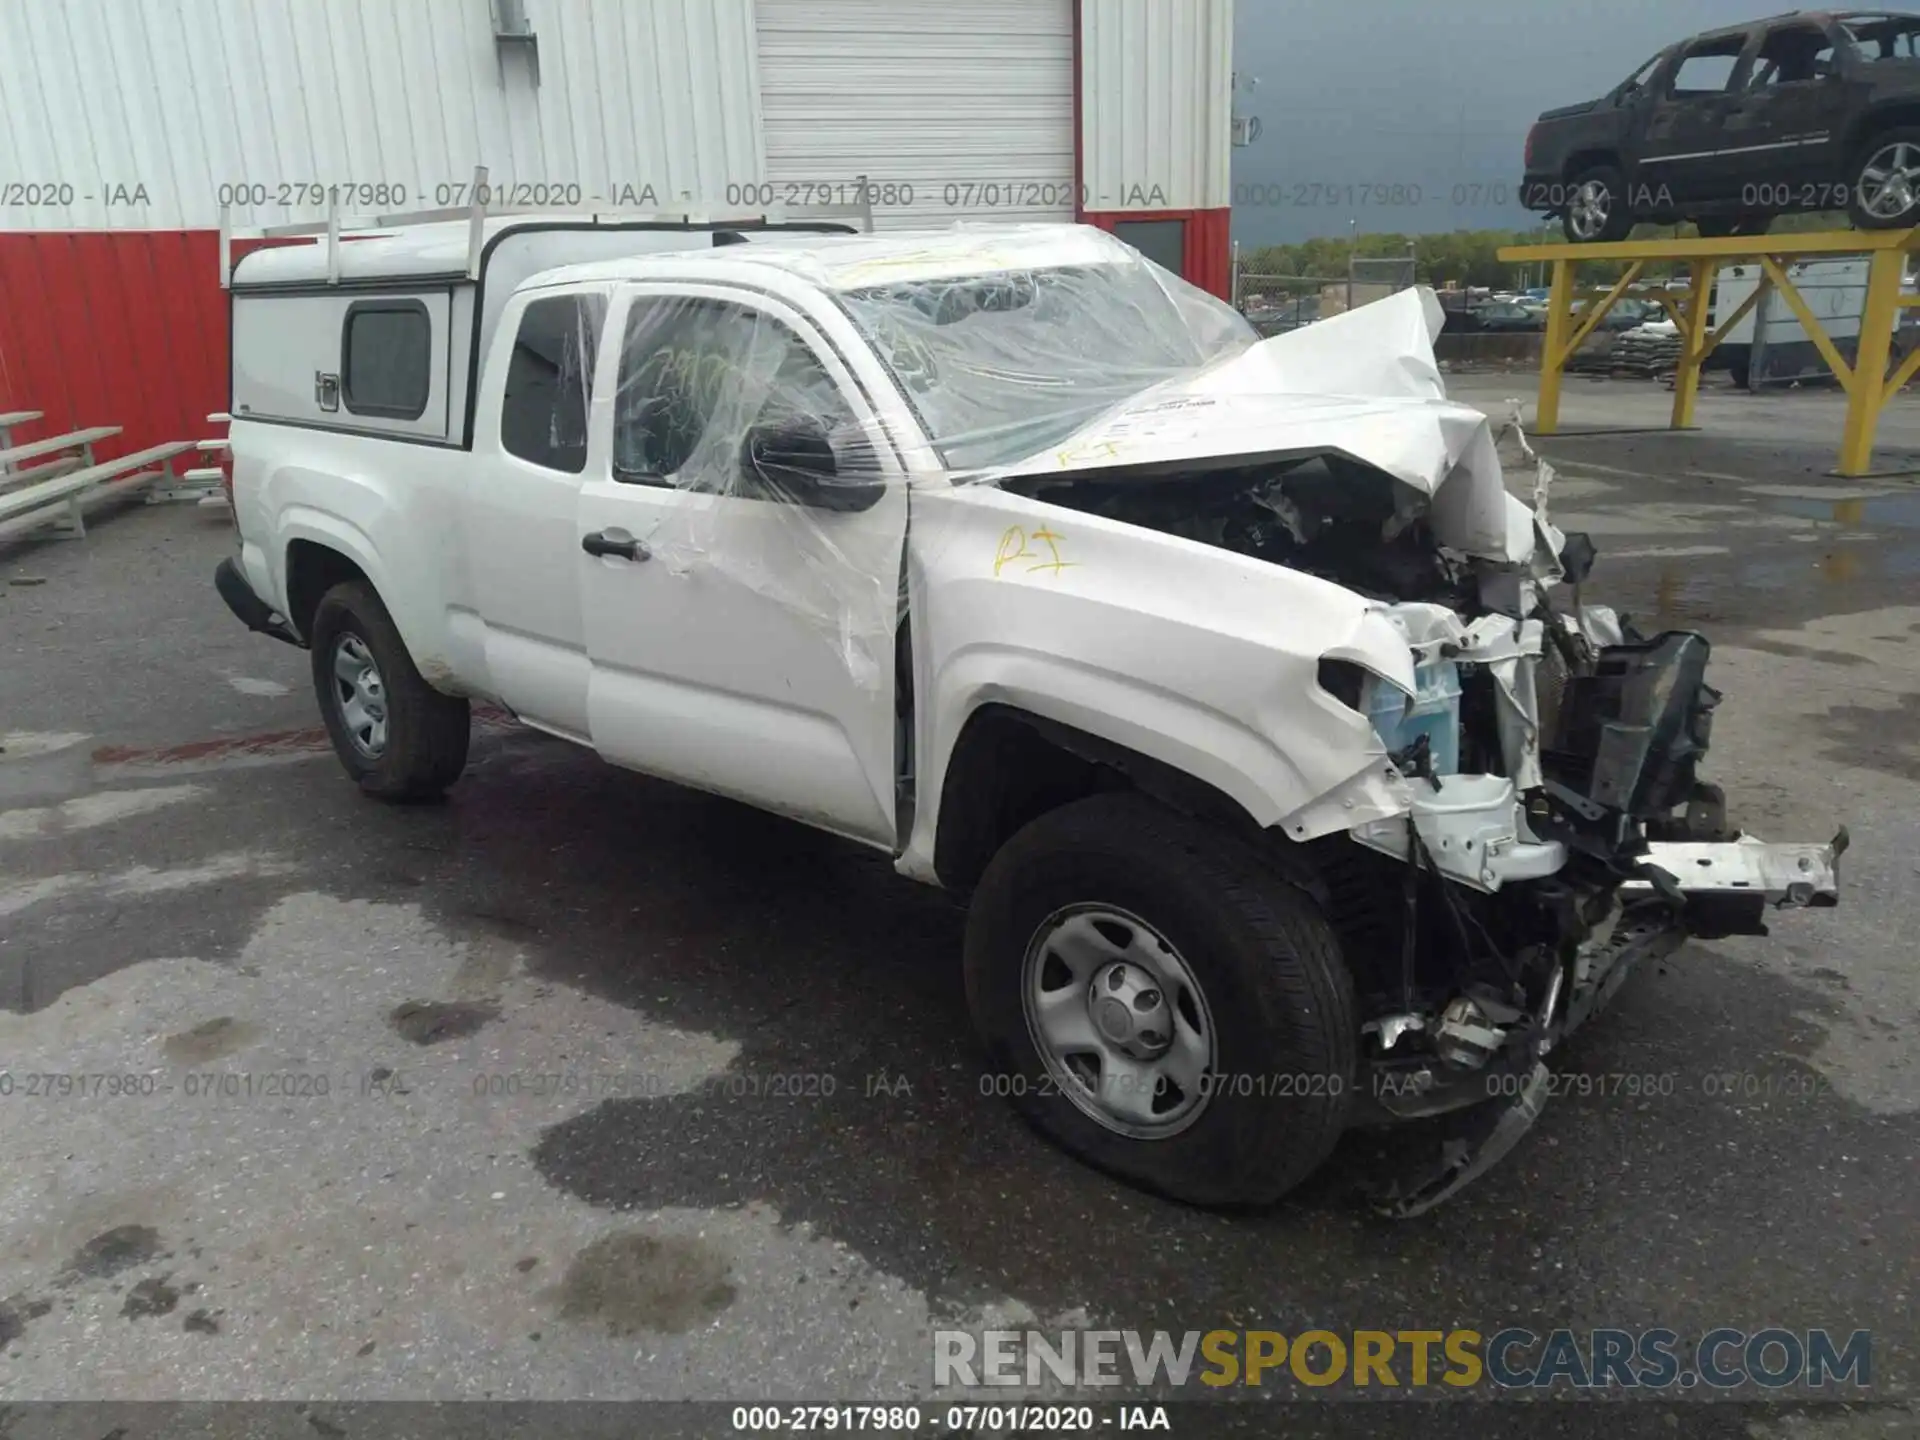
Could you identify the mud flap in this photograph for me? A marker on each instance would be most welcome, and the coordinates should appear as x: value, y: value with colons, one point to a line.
x: 1465, y: 1158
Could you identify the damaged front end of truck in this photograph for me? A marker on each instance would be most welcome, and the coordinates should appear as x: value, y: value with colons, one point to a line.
x: 1531, y: 821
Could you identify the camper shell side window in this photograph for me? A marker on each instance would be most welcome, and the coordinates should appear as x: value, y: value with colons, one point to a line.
x: 386, y: 358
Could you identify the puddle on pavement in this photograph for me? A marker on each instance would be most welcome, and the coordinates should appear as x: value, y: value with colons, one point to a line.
x: 1763, y: 591
x: 152, y: 1296
x: 209, y: 1040
x: 16, y: 1313
x: 634, y: 1281
x: 111, y: 1252
x: 428, y: 1022
x: 1900, y: 511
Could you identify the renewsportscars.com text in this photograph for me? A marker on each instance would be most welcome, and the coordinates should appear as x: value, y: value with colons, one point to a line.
x: 1509, y: 1359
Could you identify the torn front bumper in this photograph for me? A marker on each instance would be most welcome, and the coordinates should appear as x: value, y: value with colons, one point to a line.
x: 1690, y: 891
x: 1728, y: 886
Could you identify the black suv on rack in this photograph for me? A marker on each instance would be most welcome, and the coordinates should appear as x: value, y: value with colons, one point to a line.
x: 1807, y: 111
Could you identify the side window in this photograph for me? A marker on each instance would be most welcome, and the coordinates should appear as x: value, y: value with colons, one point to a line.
x: 1791, y: 54
x: 543, y: 416
x: 1707, y: 68
x: 695, y: 376
x: 1643, y: 76
x: 386, y: 359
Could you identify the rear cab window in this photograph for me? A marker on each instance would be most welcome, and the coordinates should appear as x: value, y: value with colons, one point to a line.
x: 543, y: 412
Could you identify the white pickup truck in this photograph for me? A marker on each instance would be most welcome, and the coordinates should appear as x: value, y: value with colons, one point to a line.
x: 1223, y: 675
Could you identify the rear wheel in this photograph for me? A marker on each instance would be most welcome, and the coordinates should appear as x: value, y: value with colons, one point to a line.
x: 1159, y: 1002
x: 396, y: 735
x: 1597, y: 207
x: 1885, y: 175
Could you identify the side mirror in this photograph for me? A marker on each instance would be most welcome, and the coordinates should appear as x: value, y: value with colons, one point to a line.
x: 792, y: 461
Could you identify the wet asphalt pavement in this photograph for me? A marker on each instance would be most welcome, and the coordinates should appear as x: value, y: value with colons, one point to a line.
x: 581, y: 1086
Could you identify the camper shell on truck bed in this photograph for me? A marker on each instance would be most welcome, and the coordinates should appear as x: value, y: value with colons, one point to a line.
x: 416, y: 307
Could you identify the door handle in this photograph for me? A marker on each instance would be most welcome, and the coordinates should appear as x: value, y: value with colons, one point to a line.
x: 615, y: 542
x: 326, y: 390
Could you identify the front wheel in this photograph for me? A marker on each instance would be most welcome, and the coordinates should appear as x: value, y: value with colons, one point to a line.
x: 394, y: 733
x: 1597, y: 207
x: 1162, y: 1004
x: 1885, y: 193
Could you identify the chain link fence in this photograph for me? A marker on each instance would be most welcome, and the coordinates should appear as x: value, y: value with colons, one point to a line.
x: 1277, y: 303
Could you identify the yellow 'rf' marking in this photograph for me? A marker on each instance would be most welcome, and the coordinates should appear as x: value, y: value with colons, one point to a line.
x: 1103, y: 450
x: 1013, y: 546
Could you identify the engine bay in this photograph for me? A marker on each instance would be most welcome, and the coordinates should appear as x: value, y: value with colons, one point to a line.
x: 1324, y: 515
x: 1554, y: 760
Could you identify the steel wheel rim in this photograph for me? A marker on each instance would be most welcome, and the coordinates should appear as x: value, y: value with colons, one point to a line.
x: 359, y: 696
x: 1591, y: 207
x: 1119, y: 1021
x: 1888, y: 180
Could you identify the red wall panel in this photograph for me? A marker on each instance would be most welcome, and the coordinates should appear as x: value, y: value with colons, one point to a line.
x: 1207, y: 252
x: 114, y: 327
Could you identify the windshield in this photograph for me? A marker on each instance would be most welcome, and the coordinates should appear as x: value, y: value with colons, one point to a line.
x: 1001, y: 365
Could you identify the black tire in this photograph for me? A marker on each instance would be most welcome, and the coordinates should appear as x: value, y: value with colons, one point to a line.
x: 425, y: 745
x: 1857, y: 181
x: 1618, y: 223
x: 1278, y: 994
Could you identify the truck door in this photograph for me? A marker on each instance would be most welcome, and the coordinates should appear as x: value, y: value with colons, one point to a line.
x: 1785, y: 134
x: 529, y: 459
x: 1680, y: 148
x: 741, y: 635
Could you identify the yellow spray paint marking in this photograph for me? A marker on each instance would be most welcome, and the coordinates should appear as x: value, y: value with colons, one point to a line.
x: 1102, y: 450
x: 1014, y: 546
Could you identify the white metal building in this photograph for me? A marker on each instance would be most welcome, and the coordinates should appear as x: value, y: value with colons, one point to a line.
x: 125, y: 125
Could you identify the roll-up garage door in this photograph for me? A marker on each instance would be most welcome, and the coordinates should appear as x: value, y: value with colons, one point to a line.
x: 953, y: 109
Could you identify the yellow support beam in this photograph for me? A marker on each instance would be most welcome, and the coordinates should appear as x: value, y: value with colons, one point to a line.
x: 1740, y: 313
x: 1868, y: 390
x: 1693, y: 348
x: 1731, y: 247
x: 1553, y: 349
x: 1898, y: 380
x: 1816, y: 332
x: 1595, y: 313
x: 1866, y: 381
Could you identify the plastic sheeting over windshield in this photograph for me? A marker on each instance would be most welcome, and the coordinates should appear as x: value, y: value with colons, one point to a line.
x: 1002, y: 363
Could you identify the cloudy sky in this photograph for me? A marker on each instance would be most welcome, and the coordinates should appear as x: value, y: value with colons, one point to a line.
x: 1409, y: 115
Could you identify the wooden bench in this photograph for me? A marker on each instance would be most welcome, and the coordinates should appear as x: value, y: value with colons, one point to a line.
x: 208, y: 483
x: 11, y: 418
x: 63, y: 500
x: 81, y: 440
x: 48, y: 470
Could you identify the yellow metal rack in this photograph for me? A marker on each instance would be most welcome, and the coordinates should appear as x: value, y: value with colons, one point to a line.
x: 1867, y: 381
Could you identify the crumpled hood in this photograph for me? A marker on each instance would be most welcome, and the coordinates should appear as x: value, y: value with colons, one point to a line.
x: 1363, y: 384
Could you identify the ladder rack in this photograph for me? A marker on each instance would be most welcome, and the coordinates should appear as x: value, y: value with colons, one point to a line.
x: 692, y: 215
